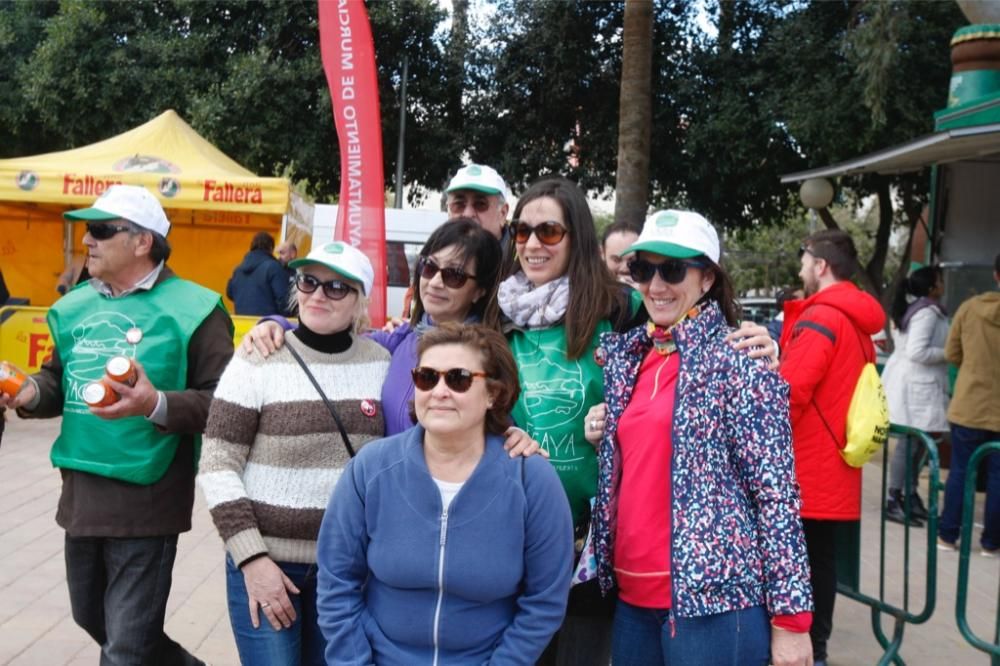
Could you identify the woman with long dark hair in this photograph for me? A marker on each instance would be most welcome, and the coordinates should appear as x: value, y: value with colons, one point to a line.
x: 916, y: 385
x: 556, y: 299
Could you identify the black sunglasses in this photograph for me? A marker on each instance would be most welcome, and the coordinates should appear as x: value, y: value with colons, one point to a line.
x: 104, y: 231
x: 672, y: 271
x: 335, y: 290
x: 455, y: 278
x: 549, y: 233
x: 457, y: 379
x: 803, y: 249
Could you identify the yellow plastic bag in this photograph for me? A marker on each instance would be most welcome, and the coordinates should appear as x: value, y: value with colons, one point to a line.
x: 867, y: 419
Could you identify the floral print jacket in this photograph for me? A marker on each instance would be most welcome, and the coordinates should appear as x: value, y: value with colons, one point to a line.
x: 737, y: 538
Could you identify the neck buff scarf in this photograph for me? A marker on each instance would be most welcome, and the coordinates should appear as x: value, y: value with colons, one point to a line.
x: 663, y: 336
x: 533, y: 307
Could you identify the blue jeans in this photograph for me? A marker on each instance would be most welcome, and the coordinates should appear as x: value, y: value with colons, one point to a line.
x: 118, y: 591
x: 964, y: 441
x: 302, y: 644
x: 654, y: 637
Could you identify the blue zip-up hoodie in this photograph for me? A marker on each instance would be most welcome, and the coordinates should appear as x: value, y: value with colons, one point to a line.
x: 401, y: 582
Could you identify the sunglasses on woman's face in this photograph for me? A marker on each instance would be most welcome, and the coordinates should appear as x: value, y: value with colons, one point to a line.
x: 104, y: 231
x: 335, y: 290
x: 458, y: 380
x: 672, y: 271
x: 548, y: 233
x: 454, y: 278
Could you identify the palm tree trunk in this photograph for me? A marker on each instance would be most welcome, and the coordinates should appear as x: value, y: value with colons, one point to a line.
x: 635, y: 113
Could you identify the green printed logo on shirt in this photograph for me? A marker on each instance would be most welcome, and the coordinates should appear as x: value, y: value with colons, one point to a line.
x: 556, y: 393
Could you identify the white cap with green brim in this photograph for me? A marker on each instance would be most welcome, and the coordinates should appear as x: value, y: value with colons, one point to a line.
x: 341, y: 258
x: 125, y: 202
x: 479, y: 178
x: 677, y: 233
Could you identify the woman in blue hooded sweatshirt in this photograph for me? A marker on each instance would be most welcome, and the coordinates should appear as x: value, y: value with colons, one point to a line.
x: 437, y: 547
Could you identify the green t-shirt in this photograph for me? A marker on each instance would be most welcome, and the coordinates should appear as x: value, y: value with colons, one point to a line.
x: 556, y: 393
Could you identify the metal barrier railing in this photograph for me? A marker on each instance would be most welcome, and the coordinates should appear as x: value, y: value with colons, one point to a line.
x: 964, y: 548
x: 848, y: 573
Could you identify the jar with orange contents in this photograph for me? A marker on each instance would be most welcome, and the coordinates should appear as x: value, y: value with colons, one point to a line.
x: 99, y: 394
x: 11, y: 379
x: 122, y: 369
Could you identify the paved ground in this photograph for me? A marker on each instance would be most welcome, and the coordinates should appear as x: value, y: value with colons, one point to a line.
x: 36, y: 629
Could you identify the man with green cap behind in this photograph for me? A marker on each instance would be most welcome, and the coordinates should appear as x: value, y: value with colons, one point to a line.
x: 478, y: 191
x: 128, y: 467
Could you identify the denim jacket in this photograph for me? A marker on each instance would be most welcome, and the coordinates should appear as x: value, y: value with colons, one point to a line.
x: 736, y: 537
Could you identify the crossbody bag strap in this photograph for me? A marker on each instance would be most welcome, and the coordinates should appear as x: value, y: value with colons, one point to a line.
x: 326, y: 401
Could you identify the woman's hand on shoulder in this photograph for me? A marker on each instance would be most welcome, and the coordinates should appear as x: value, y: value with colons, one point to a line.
x: 593, y: 424
x: 755, y: 339
x: 392, y: 323
x: 520, y: 443
x: 267, y: 593
x: 266, y: 337
x: 790, y: 648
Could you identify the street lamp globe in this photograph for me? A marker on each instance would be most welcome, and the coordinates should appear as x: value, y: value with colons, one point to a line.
x: 816, y: 193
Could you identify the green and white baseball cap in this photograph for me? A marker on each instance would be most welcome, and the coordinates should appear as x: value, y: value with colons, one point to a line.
x: 125, y: 202
x: 480, y: 178
x: 677, y: 233
x: 341, y: 258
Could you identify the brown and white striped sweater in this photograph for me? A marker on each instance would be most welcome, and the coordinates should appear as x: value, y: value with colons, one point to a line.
x: 272, y: 452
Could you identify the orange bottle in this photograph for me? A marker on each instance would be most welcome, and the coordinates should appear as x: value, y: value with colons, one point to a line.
x: 99, y: 394
x: 121, y: 369
x: 11, y: 379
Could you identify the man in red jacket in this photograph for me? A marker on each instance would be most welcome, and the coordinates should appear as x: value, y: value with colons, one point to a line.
x: 826, y: 342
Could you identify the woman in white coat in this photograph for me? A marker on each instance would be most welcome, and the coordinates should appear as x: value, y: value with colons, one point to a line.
x: 916, y: 383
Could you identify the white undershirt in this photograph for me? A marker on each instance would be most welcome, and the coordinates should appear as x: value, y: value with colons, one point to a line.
x: 448, y: 491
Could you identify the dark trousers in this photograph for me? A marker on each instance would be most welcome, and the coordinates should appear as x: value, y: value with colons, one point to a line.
x: 584, y: 639
x: 964, y: 442
x: 118, y: 591
x: 821, y: 546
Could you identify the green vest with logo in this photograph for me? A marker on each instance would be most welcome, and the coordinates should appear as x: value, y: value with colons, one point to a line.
x: 88, y: 329
x: 556, y: 393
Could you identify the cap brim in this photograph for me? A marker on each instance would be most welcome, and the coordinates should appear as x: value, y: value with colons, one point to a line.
x: 475, y: 188
x: 296, y: 263
x: 90, y: 215
x: 665, y: 249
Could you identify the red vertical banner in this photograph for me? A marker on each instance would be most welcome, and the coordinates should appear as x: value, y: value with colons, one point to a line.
x: 348, y: 52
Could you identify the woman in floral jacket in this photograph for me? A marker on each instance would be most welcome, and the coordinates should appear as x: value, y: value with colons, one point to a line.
x: 696, y: 519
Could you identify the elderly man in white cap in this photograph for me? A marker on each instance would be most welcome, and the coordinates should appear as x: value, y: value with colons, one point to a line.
x: 128, y: 466
x: 478, y: 191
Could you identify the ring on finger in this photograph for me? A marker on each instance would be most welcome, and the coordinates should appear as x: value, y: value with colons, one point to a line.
x: 264, y: 604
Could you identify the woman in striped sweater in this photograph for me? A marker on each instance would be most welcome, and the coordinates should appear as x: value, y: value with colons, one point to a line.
x: 273, y: 453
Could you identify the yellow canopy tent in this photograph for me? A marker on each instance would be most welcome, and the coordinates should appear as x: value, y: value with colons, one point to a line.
x: 215, y: 206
